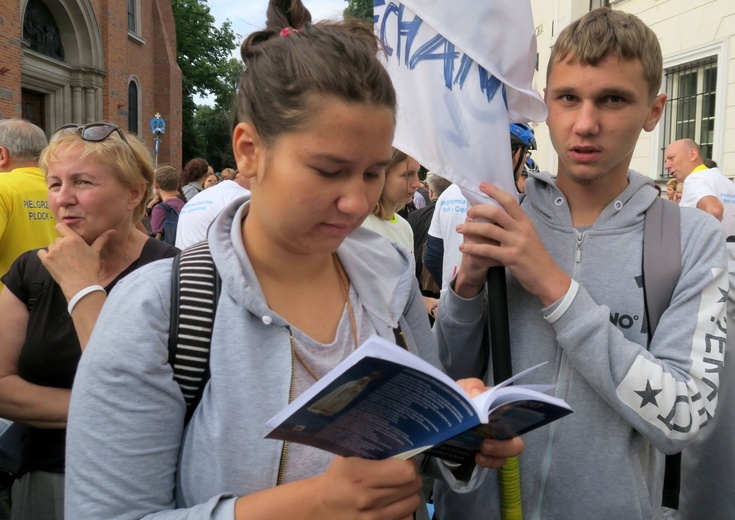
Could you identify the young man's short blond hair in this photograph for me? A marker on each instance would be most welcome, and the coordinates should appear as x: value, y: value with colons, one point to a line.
x: 167, y: 177
x: 603, y: 32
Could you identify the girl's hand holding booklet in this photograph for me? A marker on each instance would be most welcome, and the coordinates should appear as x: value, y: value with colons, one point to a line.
x: 383, y: 401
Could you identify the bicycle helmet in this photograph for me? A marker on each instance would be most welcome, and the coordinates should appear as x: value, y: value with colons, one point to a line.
x: 522, y: 135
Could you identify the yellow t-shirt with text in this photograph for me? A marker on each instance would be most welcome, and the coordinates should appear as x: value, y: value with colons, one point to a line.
x: 26, y: 222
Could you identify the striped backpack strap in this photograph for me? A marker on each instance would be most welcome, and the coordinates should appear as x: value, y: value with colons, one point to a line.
x: 195, y: 289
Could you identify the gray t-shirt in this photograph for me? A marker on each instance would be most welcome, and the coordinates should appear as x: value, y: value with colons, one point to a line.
x: 304, y: 461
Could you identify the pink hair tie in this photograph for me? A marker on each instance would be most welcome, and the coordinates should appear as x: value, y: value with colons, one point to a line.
x: 288, y: 30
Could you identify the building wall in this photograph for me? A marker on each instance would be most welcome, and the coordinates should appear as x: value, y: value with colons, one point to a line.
x: 10, y: 27
x: 101, y: 57
x: 167, y: 78
x: 687, y: 30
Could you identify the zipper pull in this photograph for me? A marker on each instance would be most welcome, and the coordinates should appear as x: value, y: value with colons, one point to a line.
x: 578, y: 253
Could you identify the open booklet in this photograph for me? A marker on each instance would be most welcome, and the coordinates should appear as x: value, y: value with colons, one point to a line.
x: 382, y: 401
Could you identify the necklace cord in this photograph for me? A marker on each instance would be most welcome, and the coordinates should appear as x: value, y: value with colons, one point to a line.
x: 342, y: 275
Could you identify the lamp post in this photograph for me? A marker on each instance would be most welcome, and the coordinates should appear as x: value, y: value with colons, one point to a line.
x: 158, y: 129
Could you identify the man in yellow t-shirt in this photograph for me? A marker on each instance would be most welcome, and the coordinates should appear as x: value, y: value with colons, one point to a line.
x: 26, y: 222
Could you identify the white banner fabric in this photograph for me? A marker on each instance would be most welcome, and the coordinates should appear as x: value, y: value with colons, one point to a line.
x: 462, y: 74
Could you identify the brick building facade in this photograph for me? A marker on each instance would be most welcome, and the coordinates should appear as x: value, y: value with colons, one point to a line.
x: 78, y: 61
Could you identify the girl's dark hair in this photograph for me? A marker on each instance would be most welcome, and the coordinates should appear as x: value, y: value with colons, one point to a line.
x: 292, y: 60
x: 194, y: 170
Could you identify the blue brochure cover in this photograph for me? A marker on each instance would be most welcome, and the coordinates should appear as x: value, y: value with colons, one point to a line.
x: 383, y: 401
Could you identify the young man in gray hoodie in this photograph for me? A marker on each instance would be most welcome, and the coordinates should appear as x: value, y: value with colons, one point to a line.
x: 573, y: 258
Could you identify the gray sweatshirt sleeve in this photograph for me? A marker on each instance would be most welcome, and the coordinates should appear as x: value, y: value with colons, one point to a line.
x: 126, y: 416
x: 667, y: 391
x: 459, y: 330
x: 417, y: 330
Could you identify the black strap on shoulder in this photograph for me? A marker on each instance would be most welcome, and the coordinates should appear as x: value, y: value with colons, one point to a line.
x: 195, y: 289
x: 168, y: 208
x: 661, y: 271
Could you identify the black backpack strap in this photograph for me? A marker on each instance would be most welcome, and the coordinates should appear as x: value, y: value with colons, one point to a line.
x: 168, y: 208
x: 195, y: 289
x: 661, y: 271
x: 672, y: 481
x: 169, y: 224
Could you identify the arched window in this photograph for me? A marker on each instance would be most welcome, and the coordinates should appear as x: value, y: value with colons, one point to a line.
x: 41, y: 32
x: 133, y: 107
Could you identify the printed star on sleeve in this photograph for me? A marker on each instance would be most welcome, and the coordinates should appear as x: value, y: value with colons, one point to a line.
x: 648, y: 395
x: 723, y: 294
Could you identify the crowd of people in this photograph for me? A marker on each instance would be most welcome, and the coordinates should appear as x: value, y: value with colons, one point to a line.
x: 324, y: 235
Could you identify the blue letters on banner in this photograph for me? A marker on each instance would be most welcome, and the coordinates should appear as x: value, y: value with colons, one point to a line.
x: 437, y: 48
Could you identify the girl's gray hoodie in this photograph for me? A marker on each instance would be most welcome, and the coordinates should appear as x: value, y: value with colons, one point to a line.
x: 125, y: 455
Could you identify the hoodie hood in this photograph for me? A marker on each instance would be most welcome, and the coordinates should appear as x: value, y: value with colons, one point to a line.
x: 375, y: 271
x: 627, y: 209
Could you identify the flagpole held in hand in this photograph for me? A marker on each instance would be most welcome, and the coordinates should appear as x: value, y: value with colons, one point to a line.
x: 499, y: 336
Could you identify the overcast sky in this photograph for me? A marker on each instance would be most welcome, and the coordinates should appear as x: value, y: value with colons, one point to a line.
x: 249, y: 15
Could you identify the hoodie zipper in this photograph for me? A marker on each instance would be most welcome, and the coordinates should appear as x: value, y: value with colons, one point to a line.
x: 546, y: 462
x: 284, y: 449
x: 403, y: 339
x: 578, y: 251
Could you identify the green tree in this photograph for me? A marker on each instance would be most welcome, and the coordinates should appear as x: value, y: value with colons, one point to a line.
x: 204, y: 55
x: 214, y: 126
x: 360, y: 9
x: 230, y: 77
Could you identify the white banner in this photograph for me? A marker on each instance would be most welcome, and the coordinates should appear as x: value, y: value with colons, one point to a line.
x: 462, y: 71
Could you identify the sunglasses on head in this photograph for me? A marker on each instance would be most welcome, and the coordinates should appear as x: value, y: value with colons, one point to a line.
x: 94, y: 132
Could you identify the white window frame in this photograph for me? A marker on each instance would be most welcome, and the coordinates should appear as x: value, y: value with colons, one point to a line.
x: 694, y: 72
x: 720, y: 50
x: 135, y: 33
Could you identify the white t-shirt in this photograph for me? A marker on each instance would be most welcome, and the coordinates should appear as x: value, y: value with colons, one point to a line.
x: 711, y: 183
x: 202, y: 209
x: 397, y: 230
x: 450, y: 211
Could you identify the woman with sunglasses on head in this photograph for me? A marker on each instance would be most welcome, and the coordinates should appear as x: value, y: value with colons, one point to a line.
x: 302, y: 286
x: 99, y: 181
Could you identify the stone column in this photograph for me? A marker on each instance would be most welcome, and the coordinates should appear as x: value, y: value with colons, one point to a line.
x: 76, y: 104
x: 89, y: 98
